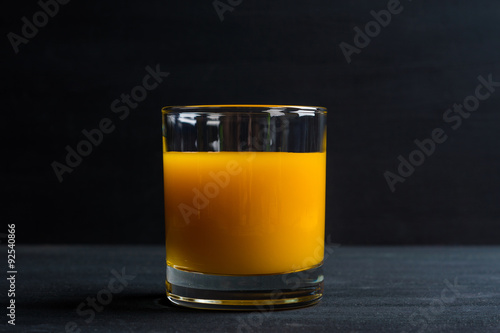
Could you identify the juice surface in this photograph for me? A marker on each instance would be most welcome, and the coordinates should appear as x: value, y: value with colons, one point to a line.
x: 244, y: 212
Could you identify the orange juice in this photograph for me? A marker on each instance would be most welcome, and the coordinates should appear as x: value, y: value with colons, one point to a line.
x: 244, y: 213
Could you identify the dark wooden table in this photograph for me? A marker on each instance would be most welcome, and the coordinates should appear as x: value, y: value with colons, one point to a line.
x: 367, y: 289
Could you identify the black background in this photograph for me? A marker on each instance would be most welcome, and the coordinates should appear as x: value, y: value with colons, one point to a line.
x: 277, y: 52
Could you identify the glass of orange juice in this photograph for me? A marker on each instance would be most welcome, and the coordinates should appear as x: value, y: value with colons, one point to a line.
x: 244, y: 205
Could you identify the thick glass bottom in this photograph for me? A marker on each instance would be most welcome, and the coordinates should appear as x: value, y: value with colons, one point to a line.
x: 253, y: 292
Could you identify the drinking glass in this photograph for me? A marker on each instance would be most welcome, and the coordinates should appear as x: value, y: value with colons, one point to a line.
x: 244, y: 205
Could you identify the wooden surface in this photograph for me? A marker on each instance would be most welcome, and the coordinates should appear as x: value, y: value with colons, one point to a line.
x: 367, y: 289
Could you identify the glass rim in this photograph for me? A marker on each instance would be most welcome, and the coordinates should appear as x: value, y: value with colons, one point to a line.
x: 219, y: 108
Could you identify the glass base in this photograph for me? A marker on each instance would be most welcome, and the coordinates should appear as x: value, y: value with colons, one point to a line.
x: 237, y: 292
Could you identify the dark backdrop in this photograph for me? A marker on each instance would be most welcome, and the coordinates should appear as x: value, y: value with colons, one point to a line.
x: 395, y: 90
